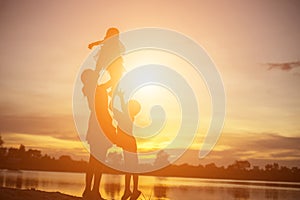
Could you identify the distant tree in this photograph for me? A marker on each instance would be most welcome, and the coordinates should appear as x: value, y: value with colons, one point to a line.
x: 295, y: 170
x: 285, y: 169
x: 3, y: 152
x: 22, y: 148
x: 268, y: 167
x: 13, y: 152
x: 1, y: 141
x: 65, y: 158
x: 256, y: 168
x: 46, y: 157
x: 22, y: 152
x: 276, y: 166
x: 211, y: 166
x: 32, y: 153
x: 240, y: 165
x: 243, y: 165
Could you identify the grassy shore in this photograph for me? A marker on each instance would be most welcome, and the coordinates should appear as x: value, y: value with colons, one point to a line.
x: 18, y: 194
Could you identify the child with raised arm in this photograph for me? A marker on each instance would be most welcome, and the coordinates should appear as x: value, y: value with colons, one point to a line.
x: 127, y: 141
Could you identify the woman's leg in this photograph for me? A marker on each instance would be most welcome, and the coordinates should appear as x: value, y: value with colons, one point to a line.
x: 97, y: 179
x: 88, y: 177
x: 127, y: 182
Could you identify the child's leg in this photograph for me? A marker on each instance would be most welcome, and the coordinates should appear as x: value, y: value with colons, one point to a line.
x: 136, y: 193
x: 127, y: 192
x: 134, y: 159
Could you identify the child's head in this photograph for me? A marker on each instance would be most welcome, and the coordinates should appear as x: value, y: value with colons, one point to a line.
x: 134, y: 107
x: 111, y: 32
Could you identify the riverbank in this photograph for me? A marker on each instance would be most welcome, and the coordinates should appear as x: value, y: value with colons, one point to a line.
x: 18, y: 194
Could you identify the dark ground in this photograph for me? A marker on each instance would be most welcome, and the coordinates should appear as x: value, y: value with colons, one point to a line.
x: 17, y: 194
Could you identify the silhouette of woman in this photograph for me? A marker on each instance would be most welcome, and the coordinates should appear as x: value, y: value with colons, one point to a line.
x: 96, y: 139
x: 97, y: 97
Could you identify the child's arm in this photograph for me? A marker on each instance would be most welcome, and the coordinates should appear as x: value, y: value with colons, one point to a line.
x: 91, y: 45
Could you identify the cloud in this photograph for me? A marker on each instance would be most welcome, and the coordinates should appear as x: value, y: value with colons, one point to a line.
x: 287, y: 154
x: 297, y: 73
x: 258, y: 148
x: 57, y: 126
x: 270, y: 141
x: 286, y: 66
x: 266, y: 146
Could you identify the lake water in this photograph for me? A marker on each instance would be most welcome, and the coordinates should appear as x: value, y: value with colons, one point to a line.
x: 153, y: 187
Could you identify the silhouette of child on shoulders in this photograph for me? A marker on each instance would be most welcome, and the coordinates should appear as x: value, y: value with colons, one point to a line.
x: 111, y: 50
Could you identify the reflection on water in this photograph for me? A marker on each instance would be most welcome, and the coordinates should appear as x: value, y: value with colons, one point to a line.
x: 112, y: 189
x: 160, y: 191
x: 112, y: 186
x: 271, y: 194
x: 240, y: 193
x: 153, y: 187
x: 13, y: 181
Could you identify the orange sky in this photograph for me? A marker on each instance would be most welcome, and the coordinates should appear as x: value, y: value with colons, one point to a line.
x: 43, y: 44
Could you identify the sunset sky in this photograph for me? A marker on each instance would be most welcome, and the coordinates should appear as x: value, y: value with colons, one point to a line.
x: 255, y: 45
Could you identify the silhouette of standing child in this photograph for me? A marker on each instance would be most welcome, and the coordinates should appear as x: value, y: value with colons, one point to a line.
x: 127, y: 141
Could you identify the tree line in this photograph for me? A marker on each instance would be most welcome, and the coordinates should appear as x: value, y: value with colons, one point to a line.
x: 32, y: 159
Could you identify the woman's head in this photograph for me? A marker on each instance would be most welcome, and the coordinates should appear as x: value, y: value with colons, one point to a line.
x: 88, y: 75
x: 89, y: 79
